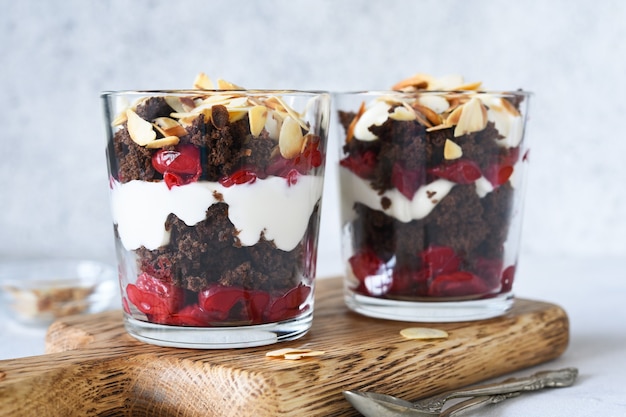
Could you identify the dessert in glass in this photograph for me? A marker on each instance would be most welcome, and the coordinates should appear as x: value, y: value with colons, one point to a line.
x: 215, y: 196
x: 431, y: 179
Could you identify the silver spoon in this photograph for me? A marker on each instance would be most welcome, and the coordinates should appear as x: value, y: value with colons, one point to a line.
x: 372, y: 404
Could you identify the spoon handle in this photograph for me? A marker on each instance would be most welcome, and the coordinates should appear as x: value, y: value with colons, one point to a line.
x: 558, y: 378
x: 476, y: 402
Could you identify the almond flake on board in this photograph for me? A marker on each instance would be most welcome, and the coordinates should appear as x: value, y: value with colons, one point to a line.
x: 423, y: 333
x: 294, y: 353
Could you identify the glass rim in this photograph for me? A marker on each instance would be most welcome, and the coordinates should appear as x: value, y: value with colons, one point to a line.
x: 433, y: 92
x: 198, y: 92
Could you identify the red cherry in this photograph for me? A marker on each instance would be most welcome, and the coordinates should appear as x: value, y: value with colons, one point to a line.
x: 498, y: 174
x: 457, y: 284
x: 438, y: 260
x: 292, y: 177
x: 407, y: 181
x: 179, y: 166
x: 191, y: 315
x: 361, y: 165
x: 489, y: 270
x: 508, y: 276
x: 462, y: 171
x: 219, y: 301
x: 289, y: 305
x: 365, y: 263
x: 242, y: 176
x: 154, y: 297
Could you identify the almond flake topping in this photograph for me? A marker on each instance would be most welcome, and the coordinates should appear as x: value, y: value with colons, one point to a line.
x: 290, y: 138
x: 202, y: 82
x: 473, y: 118
x: 140, y: 131
x: 451, y: 150
x: 257, y: 116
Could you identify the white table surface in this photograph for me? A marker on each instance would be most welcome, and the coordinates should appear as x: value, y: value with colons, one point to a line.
x: 592, y: 292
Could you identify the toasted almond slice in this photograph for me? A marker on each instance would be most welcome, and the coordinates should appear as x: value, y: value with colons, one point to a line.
x: 401, y: 113
x: 120, y: 119
x: 140, y: 131
x: 417, y: 81
x: 235, y: 115
x: 473, y: 118
x: 509, y: 107
x: 175, y: 103
x: 430, y: 114
x: 291, y: 112
x: 166, y: 141
x: 350, y: 132
x: 203, y: 82
x: 297, y: 356
x: 423, y: 333
x: 290, y: 138
x: 454, y: 117
x: 451, y: 150
x: 436, y: 103
x: 257, y: 116
x: 169, y: 127
x: 226, y: 85
x: 285, y: 351
x: 469, y: 86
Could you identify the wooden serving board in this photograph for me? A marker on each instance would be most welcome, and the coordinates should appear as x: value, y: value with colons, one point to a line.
x: 94, y: 368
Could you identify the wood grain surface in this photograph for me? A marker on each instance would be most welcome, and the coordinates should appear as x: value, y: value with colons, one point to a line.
x: 93, y: 368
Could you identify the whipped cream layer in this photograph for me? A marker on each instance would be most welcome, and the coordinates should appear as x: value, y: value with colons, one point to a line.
x: 425, y: 199
x: 268, y: 206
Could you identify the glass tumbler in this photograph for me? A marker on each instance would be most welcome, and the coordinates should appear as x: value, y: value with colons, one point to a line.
x: 432, y: 186
x: 215, y: 199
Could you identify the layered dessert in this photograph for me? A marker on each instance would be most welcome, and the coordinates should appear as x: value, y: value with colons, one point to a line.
x: 215, y: 200
x: 430, y: 177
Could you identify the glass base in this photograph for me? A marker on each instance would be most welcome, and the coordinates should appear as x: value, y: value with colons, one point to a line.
x: 218, y: 337
x: 430, y: 312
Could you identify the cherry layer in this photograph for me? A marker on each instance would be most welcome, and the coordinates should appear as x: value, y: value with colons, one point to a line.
x: 460, y: 171
x: 182, y: 165
x: 441, y: 273
x: 165, y: 304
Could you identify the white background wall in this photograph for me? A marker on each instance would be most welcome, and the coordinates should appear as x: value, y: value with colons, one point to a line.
x: 56, y: 56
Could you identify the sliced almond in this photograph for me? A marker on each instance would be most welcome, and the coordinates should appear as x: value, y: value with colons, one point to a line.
x: 417, y: 81
x: 454, y: 116
x: 473, y: 118
x: 120, y: 119
x: 430, y: 114
x: 509, y: 107
x: 451, y: 150
x: 162, y: 142
x: 350, y: 132
x: 293, y: 353
x: 175, y: 103
x: 436, y: 103
x: 423, y: 333
x: 401, y: 113
x: 203, y: 82
x: 140, y: 131
x: 290, y: 138
x: 257, y: 116
x: 169, y: 127
x: 469, y: 86
x: 226, y: 85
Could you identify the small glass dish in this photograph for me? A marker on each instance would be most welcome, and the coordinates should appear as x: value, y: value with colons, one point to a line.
x: 38, y: 292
